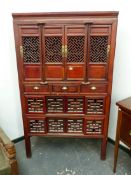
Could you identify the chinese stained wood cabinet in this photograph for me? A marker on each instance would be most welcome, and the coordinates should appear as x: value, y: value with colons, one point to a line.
x: 65, y: 67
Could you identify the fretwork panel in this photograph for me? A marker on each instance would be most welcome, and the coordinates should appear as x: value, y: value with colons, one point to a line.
x: 95, y: 106
x: 35, y: 105
x: 74, y: 125
x: 53, y: 49
x: 37, y: 126
x: 93, y: 127
x: 75, y: 49
x: 98, y: 49
x: 55, y: 125
x: 31, y: 51
x: 54, y: 104
x: 75, y: 105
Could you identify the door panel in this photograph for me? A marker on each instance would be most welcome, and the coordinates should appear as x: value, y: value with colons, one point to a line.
x: 54, y: 72
x: 75, y: 39
x: 53, y: 38
x: 98, y: 56
x: 75, y: 72
x: 32, y: 72
x: 97, y: 72
x: 30, y: 52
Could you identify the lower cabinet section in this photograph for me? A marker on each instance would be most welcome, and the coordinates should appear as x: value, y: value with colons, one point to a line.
x: 48, y: 125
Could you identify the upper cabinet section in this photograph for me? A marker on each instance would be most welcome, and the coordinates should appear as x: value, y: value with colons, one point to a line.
x: 55, y: 47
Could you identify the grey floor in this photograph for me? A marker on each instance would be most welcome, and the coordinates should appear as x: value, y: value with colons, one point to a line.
x: 67, y: 156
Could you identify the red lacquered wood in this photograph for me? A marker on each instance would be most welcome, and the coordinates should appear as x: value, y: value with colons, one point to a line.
x: 65, y: 68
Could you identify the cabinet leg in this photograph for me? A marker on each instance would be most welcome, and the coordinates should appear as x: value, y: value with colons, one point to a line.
x: 28, y: 147
x: 103, y: 148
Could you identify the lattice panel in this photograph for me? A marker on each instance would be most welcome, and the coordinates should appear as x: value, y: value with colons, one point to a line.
x: 75, y: 49
x: 56, y: 125
x: 31, y: 51
x: 93, y: 127
x: 75, y: 126
x: 55, y: 104
x: 75, y: 105
x: 37, y: 126
x: 53, y: 49
x: 95, y: 106
x: 98, y: 48
x: 35, y: 105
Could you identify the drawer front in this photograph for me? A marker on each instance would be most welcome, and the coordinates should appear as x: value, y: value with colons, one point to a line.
x: 94, y: 127
x: 65, y: 88
x: 36, y: 126
x: 125, y: 131
x: 75, y: 125
x: 56, y: 125
x: 94, y: 88
x: 37, y: 88
x: 35, y: 105
x: 95, y: 105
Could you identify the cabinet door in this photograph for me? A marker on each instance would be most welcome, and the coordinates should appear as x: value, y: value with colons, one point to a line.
x: 98, y: 52
x: 53, y: 41
x: 75, y: 49
x: 30, y: 52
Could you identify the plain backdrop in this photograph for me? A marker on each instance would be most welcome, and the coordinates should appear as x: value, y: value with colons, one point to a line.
x: 10, y: 108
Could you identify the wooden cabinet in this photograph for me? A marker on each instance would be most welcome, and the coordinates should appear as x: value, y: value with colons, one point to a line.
x: 65, y: 66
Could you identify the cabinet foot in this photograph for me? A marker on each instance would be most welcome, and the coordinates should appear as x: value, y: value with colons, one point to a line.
x: 103, y: 148
x: 28, y: 147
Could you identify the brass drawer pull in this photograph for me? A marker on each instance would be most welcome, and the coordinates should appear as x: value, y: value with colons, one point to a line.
x: 44, y: 83
x: 93, y: 88
x: 70, y: 68
x: 85, y: 83
x: 64, y: 88
x: 36, y: 88
x: 130, y: 133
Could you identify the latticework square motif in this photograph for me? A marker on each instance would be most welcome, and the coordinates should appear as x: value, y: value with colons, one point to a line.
x: 31, y: 51
x: 75, y: 49
x: 98, y: 49
x: 53, y: 49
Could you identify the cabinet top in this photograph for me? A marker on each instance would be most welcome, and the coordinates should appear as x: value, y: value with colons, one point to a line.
x: 125, y: 104
x: 68, y: 14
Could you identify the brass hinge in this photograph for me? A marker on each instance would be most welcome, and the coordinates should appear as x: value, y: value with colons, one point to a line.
x: 108, y: 49
x: 66, y: 51
x: 63, y: 50
x: 21, y: 51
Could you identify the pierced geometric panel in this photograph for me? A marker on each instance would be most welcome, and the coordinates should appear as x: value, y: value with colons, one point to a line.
x: 75, y: 49
x: 74, y: 125
x: 75, y: 105
x: 35, y: 105
x: 53, y: 49
x: 56, y: 125
x: 54, y: 104
x: 31, y: 51
x: 94, y: 127
x: 37, y: 126
x: 98, y: 49
x: 95, y: 106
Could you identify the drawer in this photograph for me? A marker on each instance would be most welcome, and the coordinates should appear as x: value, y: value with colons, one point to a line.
x: 65, y: 88
x: 37, y: 126
x: 125, y: 130
x: 94, y: 127
x: 35, y: 88
x: 94, y: 88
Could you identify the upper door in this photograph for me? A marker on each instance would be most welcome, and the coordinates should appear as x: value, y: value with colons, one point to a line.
x: 75, y: 52
x: 99, y: 37
x: 53, y: 52
x: 30, y: 52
